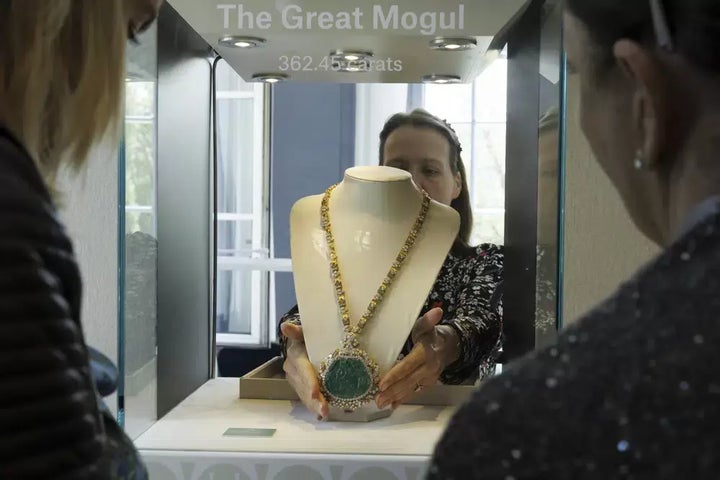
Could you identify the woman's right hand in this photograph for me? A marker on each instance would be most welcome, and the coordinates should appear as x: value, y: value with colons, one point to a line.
x: 300, y: 372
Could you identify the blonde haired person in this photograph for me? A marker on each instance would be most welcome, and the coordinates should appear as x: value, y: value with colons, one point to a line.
x: 61, y: 85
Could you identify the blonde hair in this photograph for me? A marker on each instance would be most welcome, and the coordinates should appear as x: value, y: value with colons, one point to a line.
x: 62, y: 66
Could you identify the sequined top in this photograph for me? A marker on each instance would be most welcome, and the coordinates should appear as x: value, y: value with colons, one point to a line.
x: 632, y: 390
x: 469, y: 290
x: 546, y: 290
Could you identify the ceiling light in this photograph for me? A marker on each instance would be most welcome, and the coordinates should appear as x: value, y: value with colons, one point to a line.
x: 441, y: 79
x: 351, y: 66
x: 237, y: 41
x: 350, y: 55
x: 453, y: 44
x: 351, y: 61
x: 269, y: 77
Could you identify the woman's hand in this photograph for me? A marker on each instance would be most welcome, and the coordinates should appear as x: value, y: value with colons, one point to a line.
x: 435, y: 347
x: 300, y: 372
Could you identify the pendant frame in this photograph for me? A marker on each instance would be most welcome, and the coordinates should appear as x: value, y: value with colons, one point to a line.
x: 350, y: 350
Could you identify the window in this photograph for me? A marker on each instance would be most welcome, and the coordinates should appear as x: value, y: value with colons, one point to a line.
x: 477, y: 113
x: 244, y: 260
x: 139, y: 255
x: 246, y: 264
x: 140, y: 157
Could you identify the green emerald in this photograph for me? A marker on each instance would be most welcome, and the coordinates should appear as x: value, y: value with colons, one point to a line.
x: 347, y: 378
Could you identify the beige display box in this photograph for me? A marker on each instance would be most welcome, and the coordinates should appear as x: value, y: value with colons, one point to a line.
x: 267, y: 382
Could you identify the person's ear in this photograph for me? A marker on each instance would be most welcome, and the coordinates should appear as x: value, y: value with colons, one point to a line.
x: 458, y: 186
x: 650, y: 108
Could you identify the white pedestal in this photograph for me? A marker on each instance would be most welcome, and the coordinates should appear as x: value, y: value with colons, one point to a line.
x: 190, y: 442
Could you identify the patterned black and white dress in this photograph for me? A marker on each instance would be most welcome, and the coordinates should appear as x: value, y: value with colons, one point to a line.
x: 468, y: 288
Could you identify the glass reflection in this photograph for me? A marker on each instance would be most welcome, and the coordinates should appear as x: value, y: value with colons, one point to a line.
x: 316, y: 131
x: 546, y: 306
x: 550, y: 157
x: 138, y: 278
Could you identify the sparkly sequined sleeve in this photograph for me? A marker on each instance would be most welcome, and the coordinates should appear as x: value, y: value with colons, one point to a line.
x: 472, y: 304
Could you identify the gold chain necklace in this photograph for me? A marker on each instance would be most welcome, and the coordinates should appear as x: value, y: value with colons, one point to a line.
x: 348, y: 376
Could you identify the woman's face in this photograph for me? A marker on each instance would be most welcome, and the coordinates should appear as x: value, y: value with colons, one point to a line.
x: 425, y: 154
x: 613, y: 117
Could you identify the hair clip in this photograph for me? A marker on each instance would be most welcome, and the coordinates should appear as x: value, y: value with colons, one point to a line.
x: 457, y: 140
x: 447, y: 124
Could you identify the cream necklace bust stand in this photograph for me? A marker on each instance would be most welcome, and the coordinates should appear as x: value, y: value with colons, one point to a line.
x: 371, y: 212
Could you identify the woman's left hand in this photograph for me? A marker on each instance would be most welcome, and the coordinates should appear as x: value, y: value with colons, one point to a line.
x: 435, y: 347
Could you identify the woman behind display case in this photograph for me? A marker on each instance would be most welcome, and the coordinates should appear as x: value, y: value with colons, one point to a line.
x: 632, y: 390
x: 459, y: 334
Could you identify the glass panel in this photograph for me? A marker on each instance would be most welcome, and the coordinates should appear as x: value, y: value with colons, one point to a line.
x: 452, y: 103
x: 488, y: 187
x: 138, y: 244
x: 489, y: 166
x: 550, y: 155
x: 491, y: 94
x: 139, y: 221
x: 140, y: 99
x: 235, y: 155
x: 228, y: 81
x: 242, y: 290
x: 233, y: 312
x: 235, y: 238
x: 480, y: 112
x: 140, y: 161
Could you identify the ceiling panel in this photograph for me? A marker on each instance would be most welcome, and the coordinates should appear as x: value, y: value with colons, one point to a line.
x: 300, y: 35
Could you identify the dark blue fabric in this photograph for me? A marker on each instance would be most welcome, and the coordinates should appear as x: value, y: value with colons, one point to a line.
x: 630, y: 391
x: 125, y: 463
x: 705, y: 209
x: 104, y: 373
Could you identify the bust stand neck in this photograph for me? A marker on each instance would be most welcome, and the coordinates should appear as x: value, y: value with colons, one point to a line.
x: 382, y: 191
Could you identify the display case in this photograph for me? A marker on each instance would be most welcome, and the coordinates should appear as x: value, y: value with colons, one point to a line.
x: 215, y: 157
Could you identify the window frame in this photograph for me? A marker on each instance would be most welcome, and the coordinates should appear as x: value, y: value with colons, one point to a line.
x: 150, y: 119
x: 261, y: 311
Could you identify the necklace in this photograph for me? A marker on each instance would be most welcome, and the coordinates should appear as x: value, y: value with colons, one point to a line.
x: 349, y: 376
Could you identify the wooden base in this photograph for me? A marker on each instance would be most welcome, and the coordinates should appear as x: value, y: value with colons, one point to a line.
x: 267, y: 382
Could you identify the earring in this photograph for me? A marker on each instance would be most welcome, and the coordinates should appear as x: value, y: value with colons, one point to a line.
x: 639, y: 161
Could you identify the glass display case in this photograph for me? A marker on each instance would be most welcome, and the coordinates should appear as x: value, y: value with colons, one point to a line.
x: 137, y: 282
x: 213, y: 161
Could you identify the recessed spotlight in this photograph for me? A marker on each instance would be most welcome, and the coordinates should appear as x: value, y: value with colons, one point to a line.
x: 441, y: 79
x: 351, y: 61
x: 269, y: 77
x: 453, y: 44
x: 238, y: 41
x: 354, y: 66
x: 350, y: 55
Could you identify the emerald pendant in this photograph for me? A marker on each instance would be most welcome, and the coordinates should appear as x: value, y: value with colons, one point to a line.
x: 349, y: 378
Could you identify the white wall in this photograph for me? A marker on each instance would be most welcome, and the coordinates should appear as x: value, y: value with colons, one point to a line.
x: 602, y: 246
x: 89, y: 210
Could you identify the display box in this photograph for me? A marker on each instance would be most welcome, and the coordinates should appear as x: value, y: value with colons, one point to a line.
x: 267, y: 382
